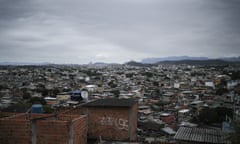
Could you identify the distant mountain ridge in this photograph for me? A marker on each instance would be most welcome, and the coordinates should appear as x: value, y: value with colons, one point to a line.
x: 209, y: 62
x: 180, y: 58
x: 138, y: 64
x: 231, y: 59
x: 148, y: 61
x: 199, y: 62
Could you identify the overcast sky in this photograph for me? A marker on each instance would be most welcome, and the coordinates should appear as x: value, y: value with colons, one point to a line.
x: 83, y: 31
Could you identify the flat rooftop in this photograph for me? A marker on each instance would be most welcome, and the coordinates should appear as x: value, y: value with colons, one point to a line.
x: 112, y: 103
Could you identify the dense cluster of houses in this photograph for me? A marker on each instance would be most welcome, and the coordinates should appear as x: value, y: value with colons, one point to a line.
x: 168, y: 97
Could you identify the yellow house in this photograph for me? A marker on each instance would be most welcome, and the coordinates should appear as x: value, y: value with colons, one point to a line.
x: 63, y: 97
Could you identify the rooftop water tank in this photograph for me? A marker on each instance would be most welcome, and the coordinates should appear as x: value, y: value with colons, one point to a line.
x: 37, y: 108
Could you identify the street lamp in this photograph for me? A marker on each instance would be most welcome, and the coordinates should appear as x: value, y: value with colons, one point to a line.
x: 177, y: 108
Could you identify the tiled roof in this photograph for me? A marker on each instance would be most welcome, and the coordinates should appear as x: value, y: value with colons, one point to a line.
x: 201, y: 135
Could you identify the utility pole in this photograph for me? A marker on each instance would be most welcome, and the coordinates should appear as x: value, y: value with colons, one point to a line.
x: 234, y: 105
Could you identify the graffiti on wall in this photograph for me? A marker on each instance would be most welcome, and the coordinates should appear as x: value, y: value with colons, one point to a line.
x: 119, y: 123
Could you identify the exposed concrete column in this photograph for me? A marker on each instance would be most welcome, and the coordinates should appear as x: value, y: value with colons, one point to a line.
x: 34, y: 137
x: 130, y: 122
x: 71, y: 133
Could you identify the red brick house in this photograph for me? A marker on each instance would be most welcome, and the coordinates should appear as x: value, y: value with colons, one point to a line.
x: 112, y: 119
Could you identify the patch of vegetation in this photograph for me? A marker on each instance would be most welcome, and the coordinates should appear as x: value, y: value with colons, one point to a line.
x: 214, y: 115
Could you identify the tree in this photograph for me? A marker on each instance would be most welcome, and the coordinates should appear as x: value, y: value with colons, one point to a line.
x: 208, y: 116
x: 221, y: 91
x: 148, y: 74
x: 214, y: 115
x: 222, y: 112
x: 156, y: 83
x: 235, y: 136
x: 129, y: 75
x: 42, y: 89
x: 37, y: 100
x: 3, y: 86
x: 235, y: 75
x: 47, y: 109
x: 237, y: 89
x: 26, y: 95
x: 55, y: 91
x: 44, y: 92
x: 112, y: 84
x: 116, y: 92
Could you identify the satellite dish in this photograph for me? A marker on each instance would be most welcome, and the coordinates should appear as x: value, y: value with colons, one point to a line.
x: 84, y: 94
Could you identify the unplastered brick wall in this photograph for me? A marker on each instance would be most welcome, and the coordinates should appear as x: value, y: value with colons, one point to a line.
x: 112, y: 123
x: 43, y: 129
x: 73, y: 111
x: 6, y: 114
x: 68, y: 117
x: 15, y: 131
x: 52, y: 132
x: 79, y: 127
x: 80, y: 130
x: 109, y: 123
x: 63, y: 129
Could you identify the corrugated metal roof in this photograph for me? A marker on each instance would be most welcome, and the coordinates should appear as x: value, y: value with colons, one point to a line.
x: 201, y: 135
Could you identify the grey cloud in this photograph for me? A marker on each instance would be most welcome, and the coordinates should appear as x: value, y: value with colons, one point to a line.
x: 71, y: 31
